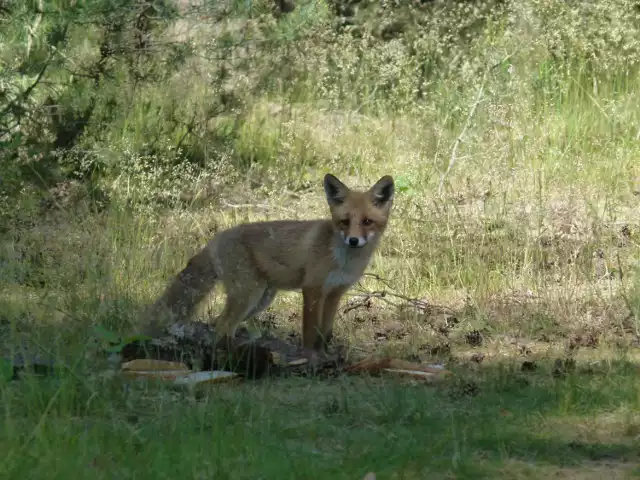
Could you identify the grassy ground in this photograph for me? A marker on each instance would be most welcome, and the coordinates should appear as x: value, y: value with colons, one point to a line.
x: 514, y: 241
x: 529, y: 262
x: 515, y: 426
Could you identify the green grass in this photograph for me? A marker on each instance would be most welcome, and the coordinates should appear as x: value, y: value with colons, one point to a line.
x: 514, y: 425
x: 533, y: 241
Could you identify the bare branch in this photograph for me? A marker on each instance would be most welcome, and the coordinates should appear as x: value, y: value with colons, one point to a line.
x: 472, y: 112
x: 24, y: 95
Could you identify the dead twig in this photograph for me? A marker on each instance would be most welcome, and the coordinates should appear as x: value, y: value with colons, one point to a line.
x: 258, y: 206
x: 386, y: 297
x: 246, y: 205
x: 456, y: 144
x: 366, y: 303
x: 472, y: 112
x: 377, y: 277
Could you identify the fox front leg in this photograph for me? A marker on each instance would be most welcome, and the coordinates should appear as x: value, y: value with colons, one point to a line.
x: 313, y: 300
x: 329, y: 310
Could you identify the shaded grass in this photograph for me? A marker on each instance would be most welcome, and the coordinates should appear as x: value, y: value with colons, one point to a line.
x: 338, y: 428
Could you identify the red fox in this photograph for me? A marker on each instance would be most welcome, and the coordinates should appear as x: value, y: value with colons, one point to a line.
x: 323, y: 258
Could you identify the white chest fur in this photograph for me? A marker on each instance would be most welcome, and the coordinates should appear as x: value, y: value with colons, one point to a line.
x: 340, y: 278
x: 349, y: 268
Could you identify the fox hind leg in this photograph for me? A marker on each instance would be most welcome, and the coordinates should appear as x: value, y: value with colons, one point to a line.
x: 241, y: 304
x: 265, y: 301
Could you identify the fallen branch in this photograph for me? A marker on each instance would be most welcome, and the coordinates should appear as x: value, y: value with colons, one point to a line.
x: 383, y: 295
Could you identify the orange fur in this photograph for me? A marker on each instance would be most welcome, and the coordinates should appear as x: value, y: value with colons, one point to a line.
x: 323, y: 258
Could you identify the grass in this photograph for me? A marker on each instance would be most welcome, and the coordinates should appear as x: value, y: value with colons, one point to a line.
x: 529, y: 287
x: 513, y: 426
x: 531, y: 245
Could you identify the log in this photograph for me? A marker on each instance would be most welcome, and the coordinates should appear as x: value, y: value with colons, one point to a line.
x: 196, y: 345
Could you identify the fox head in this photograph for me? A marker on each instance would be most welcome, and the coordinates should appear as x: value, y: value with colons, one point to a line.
x: 359, y: 216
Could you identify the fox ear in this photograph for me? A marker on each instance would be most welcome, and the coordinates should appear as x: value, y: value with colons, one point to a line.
x: 383, y: 191
x: 334, y: 189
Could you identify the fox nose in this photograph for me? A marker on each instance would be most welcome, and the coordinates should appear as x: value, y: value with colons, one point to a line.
x: 353, y: 241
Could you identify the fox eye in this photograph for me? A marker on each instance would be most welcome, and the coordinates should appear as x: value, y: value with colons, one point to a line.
x: 344, y: 222
x: 367, y: 221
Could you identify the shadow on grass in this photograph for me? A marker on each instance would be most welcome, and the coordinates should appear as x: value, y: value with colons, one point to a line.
x: 306, y: 428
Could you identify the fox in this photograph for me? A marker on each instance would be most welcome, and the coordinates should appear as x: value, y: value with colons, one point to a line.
x: 322, y: 258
